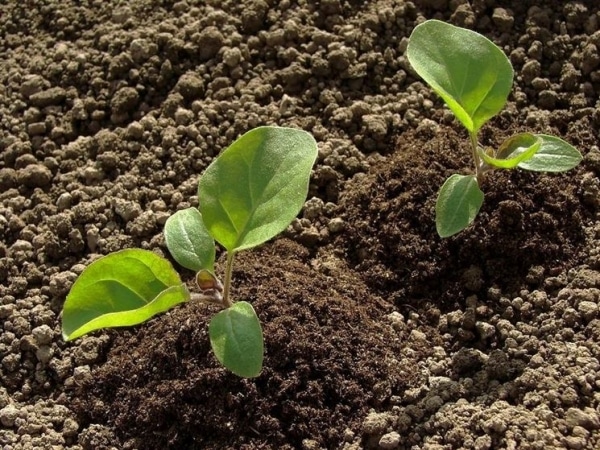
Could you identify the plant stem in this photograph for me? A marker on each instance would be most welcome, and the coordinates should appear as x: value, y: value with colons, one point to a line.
x: 474, y: 144
x: 227, y: 285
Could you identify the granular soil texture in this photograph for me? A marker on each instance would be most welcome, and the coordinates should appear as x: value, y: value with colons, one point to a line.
x: 378, y: 334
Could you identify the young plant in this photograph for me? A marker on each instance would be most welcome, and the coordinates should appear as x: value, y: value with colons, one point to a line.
x: 249, y: 194
x: 474, y: 77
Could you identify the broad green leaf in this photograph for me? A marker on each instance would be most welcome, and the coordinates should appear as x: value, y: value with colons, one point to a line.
x: 236, y: 339
x: 514, y: 150
x: 188, y: 240
x: 471, y: 74
x: 164, y: 301
x: 457, y: 204
x: 256, y: 186
x: 554, y: 155
x: 121, y: 289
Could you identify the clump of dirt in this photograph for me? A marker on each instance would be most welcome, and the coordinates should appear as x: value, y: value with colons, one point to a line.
x: 391, y: 236
x: 331, y: 354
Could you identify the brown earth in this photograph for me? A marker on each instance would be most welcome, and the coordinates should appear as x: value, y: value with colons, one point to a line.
x: 378, y: 333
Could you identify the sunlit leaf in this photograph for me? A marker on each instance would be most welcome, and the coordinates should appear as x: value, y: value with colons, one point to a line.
x: 256, y: 187
x: 514, y: 150
x: 122, y: 289
x: 471, y: 74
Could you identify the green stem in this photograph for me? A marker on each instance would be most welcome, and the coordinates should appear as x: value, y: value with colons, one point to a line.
x: 478, y: 166
x: 227, y: 285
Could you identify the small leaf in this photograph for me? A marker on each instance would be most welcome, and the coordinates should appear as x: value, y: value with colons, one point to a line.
x: 211, y: 288
x: 471, y: 74
x: 207, y: 281
x: 554, y: 155
x: 457, y: 204
x: 256, y: 186
x: 121, y: 289
x: 188, y: 240
x: 236, y: 339
x: 514, y: 150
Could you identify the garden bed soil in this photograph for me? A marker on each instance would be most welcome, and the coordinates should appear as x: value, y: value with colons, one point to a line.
x: 378, y: 334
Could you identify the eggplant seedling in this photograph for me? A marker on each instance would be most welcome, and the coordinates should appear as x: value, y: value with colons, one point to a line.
x: 474, y: 77
x: 250, y: 193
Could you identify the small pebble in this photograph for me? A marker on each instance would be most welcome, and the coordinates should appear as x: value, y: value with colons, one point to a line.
x: 389, y: 441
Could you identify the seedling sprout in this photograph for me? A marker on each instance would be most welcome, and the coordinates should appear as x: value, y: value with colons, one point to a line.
x: 474, y: 78
x: 249, y: 194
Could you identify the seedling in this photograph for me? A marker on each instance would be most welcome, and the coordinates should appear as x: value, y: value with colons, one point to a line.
x: 249, y: 194
x: 474, y: 77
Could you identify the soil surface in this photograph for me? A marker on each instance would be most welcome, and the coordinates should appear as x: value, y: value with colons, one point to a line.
x: 378, y: 334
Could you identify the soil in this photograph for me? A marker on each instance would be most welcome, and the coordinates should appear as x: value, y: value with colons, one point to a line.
x: 378, y: 334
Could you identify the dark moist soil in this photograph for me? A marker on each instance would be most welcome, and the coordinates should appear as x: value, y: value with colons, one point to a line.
x: 522, y: 225
x: 378, y: 334
x: 329, y: 357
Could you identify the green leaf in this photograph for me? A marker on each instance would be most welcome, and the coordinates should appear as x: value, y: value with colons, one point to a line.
x: 471, y: 74
x: 189, y: 241
x: 121, y: 289
x: 256, y: 186
x: 457, y: 204
x: 554, y: 155
x: 514, y: 150
x: 236, y: 339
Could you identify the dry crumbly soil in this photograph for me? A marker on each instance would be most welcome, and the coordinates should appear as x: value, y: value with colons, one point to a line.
x: 378, y: 334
